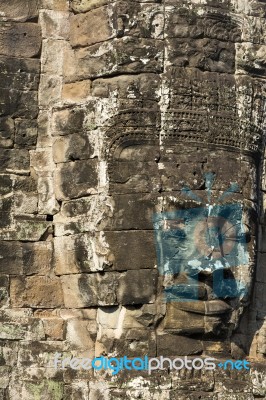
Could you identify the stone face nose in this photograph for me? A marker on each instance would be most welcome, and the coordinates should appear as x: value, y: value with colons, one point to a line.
x: 196, y: 267
x: 186, y: 291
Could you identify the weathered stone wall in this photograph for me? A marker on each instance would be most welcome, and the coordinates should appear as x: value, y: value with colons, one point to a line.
x: 108, y: 110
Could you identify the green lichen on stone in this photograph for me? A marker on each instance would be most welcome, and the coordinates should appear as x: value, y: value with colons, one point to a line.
x: 4, y: 377
x: 11, y: 331
x: 49, y: 389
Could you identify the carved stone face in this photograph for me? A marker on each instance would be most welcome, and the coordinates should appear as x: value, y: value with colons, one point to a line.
x: 183, y: 162
x: 200, y: 200
x: 201, y: 203
x: 205, y: 242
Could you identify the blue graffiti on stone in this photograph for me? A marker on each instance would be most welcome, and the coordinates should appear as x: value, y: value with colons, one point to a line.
x: 202, y: 240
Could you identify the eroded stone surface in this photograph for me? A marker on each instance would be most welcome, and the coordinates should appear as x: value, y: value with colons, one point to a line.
x: 109, y: 113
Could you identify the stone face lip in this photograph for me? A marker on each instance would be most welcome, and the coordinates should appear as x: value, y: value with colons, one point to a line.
x: 212, y: 307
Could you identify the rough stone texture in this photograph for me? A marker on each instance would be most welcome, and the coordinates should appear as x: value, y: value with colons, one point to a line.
x: 20, y: 39
x: 39, y: 291
x: 110, y: 112
x: 77, y: 91
x: 19, y: 11
x: 83, y: 28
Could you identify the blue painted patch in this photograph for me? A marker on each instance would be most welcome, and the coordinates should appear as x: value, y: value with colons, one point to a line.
x: 204, y: 239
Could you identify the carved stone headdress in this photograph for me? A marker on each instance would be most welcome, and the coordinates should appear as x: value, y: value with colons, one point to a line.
x: 199, y: 108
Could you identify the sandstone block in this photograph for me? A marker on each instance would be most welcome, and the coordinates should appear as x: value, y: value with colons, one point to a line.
x: 36, y: 291
x: 76, y: 179
x: 80, y: 336
x: 137, y: 287
x: 4, y: 379
x: 260, y: 295
x: 215, y: 325
x: 77, y: 91
x: 127, y: 207
x: 26, y: 105
x: 20, y: 39
x: 52, y: 56
x: 185, y: 395
x: 56, y: 5
x: 84, y: 27
x: 143, y: 317
x: 150, y: 19
x: 174, y: 345
x: 87, y: 212
x: 15, y: 160
x: 73, y: 147
x: 47, y: 389
x: 179, y: 321
x: 73, y: 254
x: 50, y: 89
x: 7, y: 130
x: 53, y: 328
x: 79, y: 207
x: 47, y: 204
x: 120, y: 56
x: 210, y: 307
x: 11, y: 258
x: 191, y: 173
x: 200, y: 380
x: 5, y: 210
x: 79, y: 6
x: 133, y: 341
x: 14, y: 66
x: 258, y: 379
x: 260, y: 276
x: 125, y: 248
x: 231, y: 396
x: 19, y: 82
x: 12, y: 331
x: 68, y: 121
x: 108, y: 317
x: 70, y: 64
x: 5, y: 184
x: 55, y: 24
x: 144, y: 85
x: 27, y: 228
x: 134, y: 176
x: 89, y: 290
x: 25, y: 133
x: 89, y: 314
x: 26, y: 258
x: 37, y: 257
x: 18, y: 10
x: 20, y: 327
x: 7, y: 106
x: 42, y: 161
x: 4, y: 290
x: 44, y: 137
x: 76, y: 391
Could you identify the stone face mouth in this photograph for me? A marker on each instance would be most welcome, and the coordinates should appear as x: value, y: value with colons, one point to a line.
x: 211, y: 307
x: 196, y: 317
